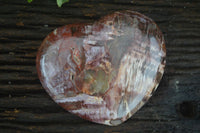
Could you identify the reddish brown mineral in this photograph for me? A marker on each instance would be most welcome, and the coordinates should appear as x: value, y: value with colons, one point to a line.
x: 103, y: 72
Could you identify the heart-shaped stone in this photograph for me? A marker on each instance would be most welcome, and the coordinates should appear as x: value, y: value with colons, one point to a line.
x: 103, y: 72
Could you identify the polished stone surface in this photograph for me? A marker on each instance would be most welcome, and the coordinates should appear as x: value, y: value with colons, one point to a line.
x: 103, y: 72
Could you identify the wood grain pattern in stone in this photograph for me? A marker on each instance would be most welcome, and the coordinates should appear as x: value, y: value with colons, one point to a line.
x: 106, y: 71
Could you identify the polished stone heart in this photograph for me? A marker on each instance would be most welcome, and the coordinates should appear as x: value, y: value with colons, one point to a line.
x: 103, y: 72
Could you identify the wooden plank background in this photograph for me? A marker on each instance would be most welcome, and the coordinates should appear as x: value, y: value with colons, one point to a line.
x: 26, y: 107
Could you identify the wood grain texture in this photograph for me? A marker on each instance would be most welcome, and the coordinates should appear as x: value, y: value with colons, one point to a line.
x: 26, y: 107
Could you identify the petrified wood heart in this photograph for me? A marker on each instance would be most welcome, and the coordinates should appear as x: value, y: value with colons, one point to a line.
x: 103, y: 72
